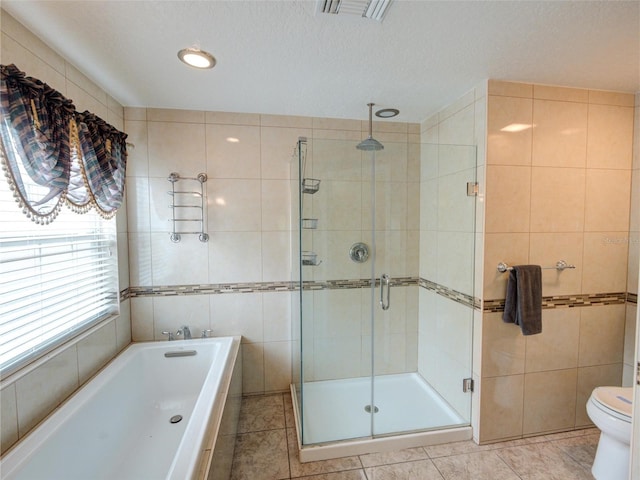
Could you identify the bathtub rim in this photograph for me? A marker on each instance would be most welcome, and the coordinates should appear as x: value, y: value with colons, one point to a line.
x: 204, y: 456
x: 118, y: 363
x: 233, y: 373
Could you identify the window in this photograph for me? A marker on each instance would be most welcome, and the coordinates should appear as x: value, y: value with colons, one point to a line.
x: 56, y: 280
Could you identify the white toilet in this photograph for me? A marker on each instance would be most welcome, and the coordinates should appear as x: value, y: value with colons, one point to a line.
x: 610, y: 410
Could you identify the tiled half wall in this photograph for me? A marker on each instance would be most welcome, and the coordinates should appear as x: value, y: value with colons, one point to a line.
x: 558, y: 188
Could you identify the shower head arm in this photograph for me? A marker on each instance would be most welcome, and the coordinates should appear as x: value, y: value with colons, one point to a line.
x: 370, y: 105
x: 370, y: 144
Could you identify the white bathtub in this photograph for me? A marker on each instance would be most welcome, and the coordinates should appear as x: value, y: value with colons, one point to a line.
x: 118, y: 426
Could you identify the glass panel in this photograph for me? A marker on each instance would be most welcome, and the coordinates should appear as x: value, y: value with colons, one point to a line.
x: 296, y: 296
x: 422, y: 343
x: 336, y: 387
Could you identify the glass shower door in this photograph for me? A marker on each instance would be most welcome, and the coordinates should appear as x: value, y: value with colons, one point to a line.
x: 384, y: 314
x: 422, y: 309
x: 393, y: 222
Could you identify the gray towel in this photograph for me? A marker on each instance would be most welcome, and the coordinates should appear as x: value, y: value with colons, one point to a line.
x: 523, y: 304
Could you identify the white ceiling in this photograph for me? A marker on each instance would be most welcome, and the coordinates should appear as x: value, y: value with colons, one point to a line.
x: 281, y: 57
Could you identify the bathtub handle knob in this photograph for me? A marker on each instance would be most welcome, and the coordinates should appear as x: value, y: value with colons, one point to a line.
x: 170, y: 334
x: 206, y: 333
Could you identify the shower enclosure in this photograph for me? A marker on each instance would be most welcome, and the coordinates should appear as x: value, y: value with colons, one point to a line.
x: 381, y: 324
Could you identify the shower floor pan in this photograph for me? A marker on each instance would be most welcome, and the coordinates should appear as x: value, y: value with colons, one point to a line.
x: 409, y: 413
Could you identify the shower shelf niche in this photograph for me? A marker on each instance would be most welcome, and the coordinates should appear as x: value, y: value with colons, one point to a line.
x: 310, y: 259
x: 191, y: 201
x: 309, y: 223
x: 310, y: 185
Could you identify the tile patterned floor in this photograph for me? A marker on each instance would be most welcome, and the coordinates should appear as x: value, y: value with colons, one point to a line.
x: 266, y: 450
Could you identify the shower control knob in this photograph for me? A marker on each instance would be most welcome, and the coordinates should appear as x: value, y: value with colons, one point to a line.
x: 359, y: 252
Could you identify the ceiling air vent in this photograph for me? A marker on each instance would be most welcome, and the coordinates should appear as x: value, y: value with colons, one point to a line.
x: 373, y: 9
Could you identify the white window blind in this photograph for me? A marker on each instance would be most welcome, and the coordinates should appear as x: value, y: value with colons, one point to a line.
x: 56, y: 280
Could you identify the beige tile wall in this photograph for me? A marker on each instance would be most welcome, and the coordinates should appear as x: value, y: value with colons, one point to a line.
x: 558, y: 186
x: 28, y: 396
x: 634, y: 251
x: 449, y: 159
x: 249, y: 218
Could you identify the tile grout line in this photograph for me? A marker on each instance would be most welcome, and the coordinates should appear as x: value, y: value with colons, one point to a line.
x: 497, y: 452
x: 364, y: 470
x: 567, y: 455
x: 436, y: 466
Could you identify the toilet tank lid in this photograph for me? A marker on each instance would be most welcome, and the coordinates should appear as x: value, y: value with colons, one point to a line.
x: 616, y: 398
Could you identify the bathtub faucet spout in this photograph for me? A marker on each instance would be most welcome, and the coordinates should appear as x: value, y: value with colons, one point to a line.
x: 169, y: 335
x: 184, y: 330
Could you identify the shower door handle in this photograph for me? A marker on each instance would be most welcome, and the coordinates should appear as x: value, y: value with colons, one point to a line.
x: 384, y: 282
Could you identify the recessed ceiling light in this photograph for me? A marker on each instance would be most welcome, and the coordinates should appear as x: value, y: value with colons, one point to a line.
x: 197, y: 58
x: 387, y: 112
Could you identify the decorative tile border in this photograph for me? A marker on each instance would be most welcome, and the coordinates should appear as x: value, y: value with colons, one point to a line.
x: 257, y: 287
x: 359, y: 283
x: 488, y: 306
x: 125, y: 294
x: 211, y: 289
x: 335, y: 284
x: 402, y: 281
x: 459, y: 297
x: 569, y: 301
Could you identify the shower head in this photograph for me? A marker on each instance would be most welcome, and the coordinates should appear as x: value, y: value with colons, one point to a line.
x: 370, y: 144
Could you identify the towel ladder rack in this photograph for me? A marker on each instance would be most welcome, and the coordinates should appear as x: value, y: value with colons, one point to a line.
x: 560, y: 265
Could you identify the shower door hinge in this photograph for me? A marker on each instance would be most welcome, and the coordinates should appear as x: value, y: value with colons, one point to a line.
x: 467, y: 385
x: 638, y: 374
x: 472, y: 189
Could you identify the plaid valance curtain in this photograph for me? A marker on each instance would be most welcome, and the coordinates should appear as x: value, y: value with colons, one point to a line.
x: 53, y: 154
